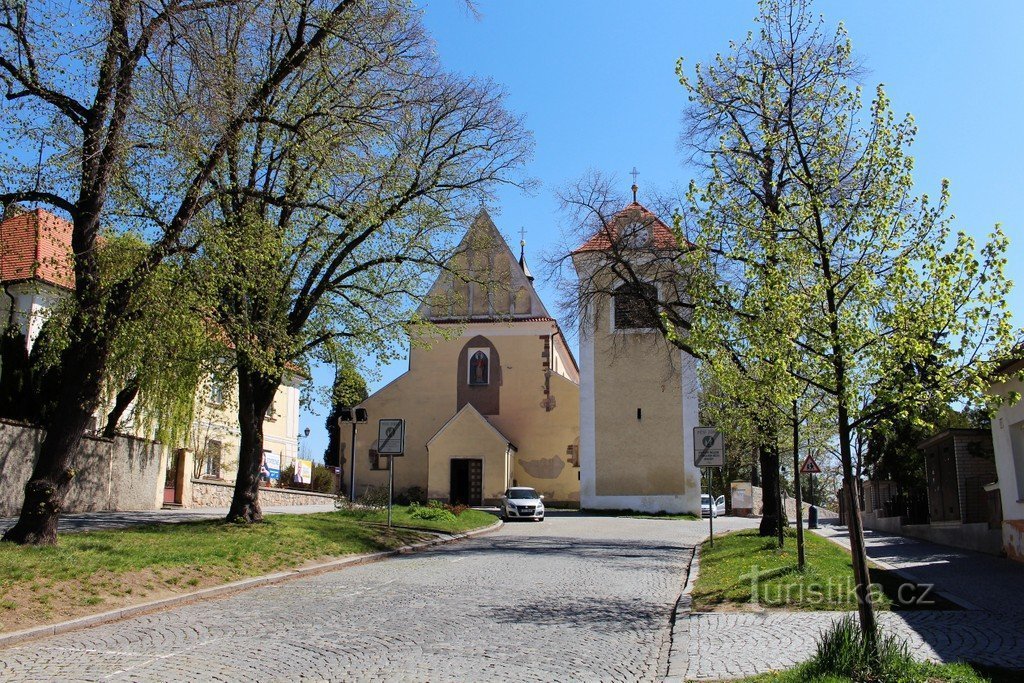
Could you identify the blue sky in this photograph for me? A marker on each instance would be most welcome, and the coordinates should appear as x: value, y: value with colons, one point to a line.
x: 596, y: 83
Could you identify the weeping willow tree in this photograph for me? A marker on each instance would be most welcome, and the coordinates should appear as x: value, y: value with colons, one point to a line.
x: 160, y: 356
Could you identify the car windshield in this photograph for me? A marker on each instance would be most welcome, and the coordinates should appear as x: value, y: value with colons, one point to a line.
x: 705, y: 499
x: 522, y: 494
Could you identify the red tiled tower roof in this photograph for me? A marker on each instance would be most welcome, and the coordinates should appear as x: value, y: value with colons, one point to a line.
x: 36, y: 245
x: 662, y: 236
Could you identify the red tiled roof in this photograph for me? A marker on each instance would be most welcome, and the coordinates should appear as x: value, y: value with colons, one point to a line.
x: 662, y: 236
x: 36, y: 245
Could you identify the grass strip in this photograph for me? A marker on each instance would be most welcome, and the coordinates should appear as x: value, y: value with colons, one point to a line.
x: 744, y: 568
x: 92, y: 572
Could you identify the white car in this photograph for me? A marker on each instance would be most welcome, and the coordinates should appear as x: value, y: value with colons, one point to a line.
x: 522, y: 502
x: 707, y: 509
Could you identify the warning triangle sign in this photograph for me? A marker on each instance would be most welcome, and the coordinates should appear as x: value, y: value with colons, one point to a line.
x: 810, y: 466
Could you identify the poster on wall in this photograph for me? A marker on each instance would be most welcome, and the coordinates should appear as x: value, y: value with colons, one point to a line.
x: 270, y: 470
x: 303, y: 471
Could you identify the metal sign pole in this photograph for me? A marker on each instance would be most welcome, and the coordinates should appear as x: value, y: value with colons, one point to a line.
x: 711, y: 511
x: 391, y: 485
x: 352, y: 464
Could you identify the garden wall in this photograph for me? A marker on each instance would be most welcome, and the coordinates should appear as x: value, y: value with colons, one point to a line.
x: 123, y: 473
x: 217, y: 494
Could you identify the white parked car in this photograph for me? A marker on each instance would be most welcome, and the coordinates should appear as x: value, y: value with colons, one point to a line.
x: 522, y: 502
x: 707, y: 509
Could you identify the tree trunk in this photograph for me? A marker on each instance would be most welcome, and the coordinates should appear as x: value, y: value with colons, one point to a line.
x: 76, y: 397
x: 121, y: 403
x: 861, y: 575
x: 255, y: 394
x: 772, y: 514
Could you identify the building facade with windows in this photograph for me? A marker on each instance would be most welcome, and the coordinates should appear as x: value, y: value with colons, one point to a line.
x: 491, y: 396
x: 1008, y: 444
x: 36, y: 273
x: 638, y: 393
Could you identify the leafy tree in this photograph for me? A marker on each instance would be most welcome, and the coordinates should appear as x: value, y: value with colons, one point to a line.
x: 848, y: 277
x: 110, y: 157
x: 337, y: 203
x: 349, y: 390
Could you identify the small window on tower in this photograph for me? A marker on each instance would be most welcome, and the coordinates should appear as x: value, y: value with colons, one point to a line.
x: 633, y: 306
x: 479, y: 366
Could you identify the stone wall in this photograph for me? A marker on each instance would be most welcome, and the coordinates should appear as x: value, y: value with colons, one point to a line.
x: 757, y: 493
x: 123, y: 473
x: 217, y: 494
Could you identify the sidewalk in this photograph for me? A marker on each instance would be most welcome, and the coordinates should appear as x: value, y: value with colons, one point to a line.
x: 973, y: 580
x: 98, y: 521
x: 989, y: 630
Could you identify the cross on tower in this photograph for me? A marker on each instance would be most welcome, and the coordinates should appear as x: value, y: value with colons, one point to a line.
x: 522, y: 237
x: 634, y: 173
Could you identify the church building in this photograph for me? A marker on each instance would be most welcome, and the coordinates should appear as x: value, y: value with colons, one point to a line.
x: 491, y: 396
x: 638, y: 393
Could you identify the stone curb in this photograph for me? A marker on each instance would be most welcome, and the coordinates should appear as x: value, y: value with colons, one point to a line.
x: 8, y: 639
x: 906, y: 574
x: 679, y: 647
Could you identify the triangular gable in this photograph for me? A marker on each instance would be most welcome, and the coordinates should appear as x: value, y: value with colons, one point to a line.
x: 483, y: 237
x: 468, y: 412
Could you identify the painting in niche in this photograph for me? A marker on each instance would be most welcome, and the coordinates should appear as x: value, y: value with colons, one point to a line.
x: 478, y: 368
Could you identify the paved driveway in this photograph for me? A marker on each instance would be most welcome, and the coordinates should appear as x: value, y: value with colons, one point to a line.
x: 572, y: 598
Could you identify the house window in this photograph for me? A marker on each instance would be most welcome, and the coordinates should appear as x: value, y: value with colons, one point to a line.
x: 632, y: 306
x: 216, y: 392
x: 211, y: 457
x: 478, y: 366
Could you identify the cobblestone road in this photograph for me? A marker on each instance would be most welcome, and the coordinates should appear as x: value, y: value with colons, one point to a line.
x: 573, y: 598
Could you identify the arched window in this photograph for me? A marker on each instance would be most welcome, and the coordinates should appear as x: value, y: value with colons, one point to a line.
x: 479, y: 366
x: 633, y: 304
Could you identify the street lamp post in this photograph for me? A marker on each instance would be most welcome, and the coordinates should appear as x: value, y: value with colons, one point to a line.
x: 355, y: 416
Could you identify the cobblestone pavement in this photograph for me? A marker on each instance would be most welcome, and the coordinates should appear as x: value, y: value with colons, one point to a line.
x: 572, y: 598
x: 717, y: 645
x: 972, y: 579
x: 98, y: 521
x: 733, y: 645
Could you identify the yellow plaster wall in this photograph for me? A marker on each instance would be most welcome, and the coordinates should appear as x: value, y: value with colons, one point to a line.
x: 468, y: 437
x: 636, y: 370
x: 425, y: 396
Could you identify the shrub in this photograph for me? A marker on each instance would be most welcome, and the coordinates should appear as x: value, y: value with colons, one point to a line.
x: 412, y: 495
x: 375, y: 497
x: 432, y: 513
x: 323, y: 479
x: 845, y: 652
x: 456, y: 510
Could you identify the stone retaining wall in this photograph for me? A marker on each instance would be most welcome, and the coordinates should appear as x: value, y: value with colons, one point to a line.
x: 217, y: 494
x: 123, y: 473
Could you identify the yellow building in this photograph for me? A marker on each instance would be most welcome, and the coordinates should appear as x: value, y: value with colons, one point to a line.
x: 491, y: 396
x: 638, y: 394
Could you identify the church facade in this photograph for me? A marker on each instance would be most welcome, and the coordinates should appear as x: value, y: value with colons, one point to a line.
x: 638, y: 393
x: 491, y: 396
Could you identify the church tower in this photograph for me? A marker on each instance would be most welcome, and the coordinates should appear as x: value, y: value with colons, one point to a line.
x: 638, y: 393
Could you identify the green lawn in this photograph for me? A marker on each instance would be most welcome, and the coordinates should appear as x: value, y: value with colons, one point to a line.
x: 95, y: 571
x: 728, y: 570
